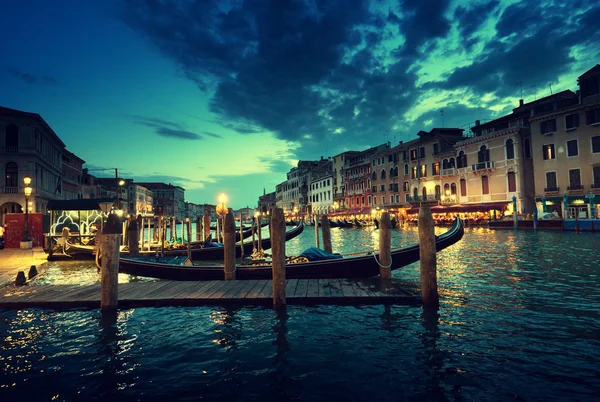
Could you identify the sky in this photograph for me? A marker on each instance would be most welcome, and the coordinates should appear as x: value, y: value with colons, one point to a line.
x: 226, y: 96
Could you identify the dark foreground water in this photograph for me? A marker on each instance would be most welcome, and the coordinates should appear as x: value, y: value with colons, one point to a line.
x: 519, y: 320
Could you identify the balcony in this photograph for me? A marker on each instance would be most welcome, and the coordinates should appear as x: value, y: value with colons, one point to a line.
x: 10, y: 150
x: 483, y: 166
x: 448, y: 172
x: 428, y: 198
x: 576, y: 187
x: 11, y: 190
x: 595, y: 187
x: 551, y: 190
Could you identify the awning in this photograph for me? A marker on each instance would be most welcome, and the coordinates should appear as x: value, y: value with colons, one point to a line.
x: 90, y: 204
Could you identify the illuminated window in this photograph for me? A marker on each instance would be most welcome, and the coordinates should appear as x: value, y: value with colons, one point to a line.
x: 548, y: 151
x: 423, y: 171
x: 435, y: 168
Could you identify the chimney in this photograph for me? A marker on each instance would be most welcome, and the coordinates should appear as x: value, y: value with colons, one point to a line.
x: 477, y: 122
x: 520, y: 102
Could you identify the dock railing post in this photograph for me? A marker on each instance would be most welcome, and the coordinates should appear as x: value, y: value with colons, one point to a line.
x: 109, y: 279
x: 132, y: 238
x: 427, y: 251
x: 188, y: 223
x: 385, y: 246
x: 278, y: 257
x: 326, y: 229
x: 241, y: 237
x: 229, y: 245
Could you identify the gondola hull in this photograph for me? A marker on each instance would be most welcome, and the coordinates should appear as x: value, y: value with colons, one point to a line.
x: 351, y: 267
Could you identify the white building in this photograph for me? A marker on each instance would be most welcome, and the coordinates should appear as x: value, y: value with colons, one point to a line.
x: 321, y: 195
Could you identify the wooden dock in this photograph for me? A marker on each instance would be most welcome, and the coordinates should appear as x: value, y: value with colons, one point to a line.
x: 176, y: 293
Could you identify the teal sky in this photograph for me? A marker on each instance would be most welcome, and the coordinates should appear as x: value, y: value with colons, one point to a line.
x: 227, y: 95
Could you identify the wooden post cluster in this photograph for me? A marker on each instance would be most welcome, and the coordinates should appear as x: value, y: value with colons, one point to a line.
x: 229, y: 245
x: 429, y: 288
x: 111, y: 238
x: 326, y: 229
x: 385, y: 244
x: 278, y: 258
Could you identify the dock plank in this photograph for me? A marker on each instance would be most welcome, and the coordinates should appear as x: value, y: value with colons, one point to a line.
x: 243, y: 292
x: 237, y: 286
x: 301, y: 288
x: 201, y: 288
x: 222, y: 290
x: 255, y: 291
x: 313, y: 288
x: 290, y: 287
x: 336, y: 288
x: 267, y: 291
x: 324, y: 288
x: 347, y: 288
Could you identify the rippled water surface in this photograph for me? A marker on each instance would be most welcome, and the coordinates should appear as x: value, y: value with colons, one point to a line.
x: 519, y: 320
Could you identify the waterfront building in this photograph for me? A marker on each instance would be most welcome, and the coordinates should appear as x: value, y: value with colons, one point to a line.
x: 424, y: 159
x: 245, y: 213
x: 29, y: 147
x: 321, y: 193
x: 386, y: 181
x: 293, y: 193
x: 357, y: 180
x: 70, y: 186
x: 566, y: 150
x: 267, y: 201
x: 170, y: 198
x: 337, y: 166
x: 89, y: 186
x: 139, y: 199
x: 112, y: 187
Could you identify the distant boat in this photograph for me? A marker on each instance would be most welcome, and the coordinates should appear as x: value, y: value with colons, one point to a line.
x: 363, y: 266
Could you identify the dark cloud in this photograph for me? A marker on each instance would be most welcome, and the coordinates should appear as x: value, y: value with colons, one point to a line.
x: 166, y: 128
x: 310, y: 70
x: 274, y: 164
x: 160, y: 178
x: 32, y: 78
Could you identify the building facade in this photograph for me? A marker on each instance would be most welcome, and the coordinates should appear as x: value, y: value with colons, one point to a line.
x: 169, y: 198
x: 71, y: 178
x: 29, y: 147
x: 339, y: 187
x: 320, y: 194
x: 566, y: 150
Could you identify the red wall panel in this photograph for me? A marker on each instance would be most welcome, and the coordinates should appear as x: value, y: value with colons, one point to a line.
x: 15, y: 227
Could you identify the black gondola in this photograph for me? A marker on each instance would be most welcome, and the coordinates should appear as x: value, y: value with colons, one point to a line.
x: 216, y: 253
x: 351, y: 267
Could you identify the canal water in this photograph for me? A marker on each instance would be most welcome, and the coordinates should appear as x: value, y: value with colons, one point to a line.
x: 519, y: 320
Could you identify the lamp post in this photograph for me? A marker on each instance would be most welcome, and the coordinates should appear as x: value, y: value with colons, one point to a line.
x: 221, y: 211
x: 26, y: 241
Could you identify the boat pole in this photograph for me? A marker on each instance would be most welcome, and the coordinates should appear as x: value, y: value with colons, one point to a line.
x: 163, y: 231
x: 199, y: 228
x: 326, y: 229
x: 229, y: 246
x: 205, y: 227
x: 278, y: 257
x: 189, y: 237
x: 427, y: 255
x: 259, y: 230
x: 316, y: 221
x: 111, y: 239
x: 385, y: 242
x: 241, y: 237
x: 133, y: 240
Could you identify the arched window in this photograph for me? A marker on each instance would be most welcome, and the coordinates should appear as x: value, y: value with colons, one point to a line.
x: 374, y: 176
x: 462, y: 160
x: 451, y: 163
x: 453, y: 189
x: 483, y: 155
x: 415, y: 194
x: 527, y: 149
x: 438, y: 191
x: 12, y: 136
x: 383, y: 173
x: 406, y: 168
x: 510, y: 149
x: 12, y: 175
x: 512, y: 182
x: 424, y: 194
x: 446, y: 188
x: 463, y: 188
x: 391, y: 172
x: 445, y: 164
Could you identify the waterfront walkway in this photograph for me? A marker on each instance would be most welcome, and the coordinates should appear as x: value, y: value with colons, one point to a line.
x: 13, y: 260
x: 186, y: 293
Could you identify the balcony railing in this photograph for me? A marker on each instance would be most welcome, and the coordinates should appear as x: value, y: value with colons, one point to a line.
x: 551, y: 190
x: 10, y: 150
x: 427, y: 198
x: 483, y: 166
x: 11, y: 190
x: 577, y: 187
x: 595, y: 186
x: 448, y: 172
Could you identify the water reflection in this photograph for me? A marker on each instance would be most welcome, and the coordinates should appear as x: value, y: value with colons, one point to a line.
x: 280, y: 376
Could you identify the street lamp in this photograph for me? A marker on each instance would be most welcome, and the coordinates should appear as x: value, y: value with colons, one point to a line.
x: 28, y: 190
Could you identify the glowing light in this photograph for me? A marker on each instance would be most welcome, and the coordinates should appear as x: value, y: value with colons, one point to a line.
x: 27, y: 180
x: 28, y: 191
x: 121, y: 182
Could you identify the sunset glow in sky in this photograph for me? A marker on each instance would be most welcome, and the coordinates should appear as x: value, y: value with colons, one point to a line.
x: 228, y: 95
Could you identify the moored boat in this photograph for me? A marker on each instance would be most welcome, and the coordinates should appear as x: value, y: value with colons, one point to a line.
x: 362, y: 266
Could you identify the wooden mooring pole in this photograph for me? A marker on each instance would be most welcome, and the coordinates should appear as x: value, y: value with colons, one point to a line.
x: 199, y: 228
x: 241, y: 237
x: 132, y: 238
x: 205, y: 227
x: 316, y: 221
x: 229, y: 245
x: 429, y: 288
x: 111, y: 239
x: 326, y: 229
x: 278, y: 257
x: 385, y: 243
